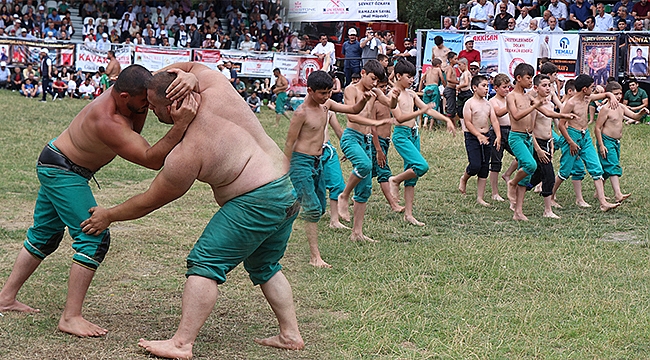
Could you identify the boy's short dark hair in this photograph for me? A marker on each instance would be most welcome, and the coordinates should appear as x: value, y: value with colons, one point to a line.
x: 276, y: 69
x: 404, y: 66
x: 381, y: 57
x: 438, y: 40
x: 501, y: 79
x: 570, y: 85
x: 524, y: 69
x: 436, y: 62
x: 539, y: 77
x: 450, y: 55
x: 548, y: 68
x: 632, y: 80
x: 613, y: 85
x: 373, y: 66
x: 356, y: 76
x: 477, y: 80
x: 583, y: 81
x: 320, y: 80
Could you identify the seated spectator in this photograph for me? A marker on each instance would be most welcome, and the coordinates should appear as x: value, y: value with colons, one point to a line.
x: 29, y: 70
x: 86, y: 90
x: 604, y: 21
x: 590, y: 24
x: 552, y: 26
x: 16, y: 79
x: 523, y: 21
x: 463, y: 11
x: 28, y: 88
x: 60, y: 88
x: 532, y: 26
x: 5, y: 75
x: 247, y: 44
x: 512, y: 25
x: 254, y: 102
x: 501, y: 19
x: 240, y: 86
x: 623, y: 15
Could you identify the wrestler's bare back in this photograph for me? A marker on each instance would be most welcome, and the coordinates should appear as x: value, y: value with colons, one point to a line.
x: 226, y: 146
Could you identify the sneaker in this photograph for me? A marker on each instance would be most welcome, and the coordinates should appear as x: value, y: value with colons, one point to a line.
x: 42, y: 100
x: 55, y: 96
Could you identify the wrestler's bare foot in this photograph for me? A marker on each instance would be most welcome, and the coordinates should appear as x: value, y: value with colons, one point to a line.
x: 167, y: 349
x: 497, y: 197
x: 606, y: 197
x: 412, y: 220
x: 462, y: 184
x: 337, y: 225
x: 361, y: 237
x: 343, y: 203
x: 538, y: 188
x: 609, y: 206
x: 394, y: 188
x: 282, y: 342
x: 319, y: 263
x: 583, y: 204
x: 551, y: 215
x: 555, y: 204
x: 80, y: 327
x: 483, y: 202
x: 625, y: 196
x: 519, y: 217
x: 397, y: 208
x: 512, y: 193
x: 17, y: 306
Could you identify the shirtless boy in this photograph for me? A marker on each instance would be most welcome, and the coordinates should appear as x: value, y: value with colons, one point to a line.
x: 357, y: 141
x: 407, y: 138
x: 609, y: 130
x: 280, y: 90
x: 452, y: 81
x: 108, y: 126
x: 464, y: 86
x: 227, y: 148
x: 304, y: 147
x: 498, y: 103
x: 478, y: 115
x: 332, y: 173
x: 381, y: 135
x: 113, y: 68
x: 578, y: 140
x: 429, y: 86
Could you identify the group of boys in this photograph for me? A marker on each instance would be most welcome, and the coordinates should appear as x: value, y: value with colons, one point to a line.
x: 521, y: 121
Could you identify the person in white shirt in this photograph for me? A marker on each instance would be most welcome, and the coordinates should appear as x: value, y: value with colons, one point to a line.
x: 224, y: 70
x: 523, y: 21
x: 90, y: 25
x: 604, y: 21
x: 448, y: 25
x: 86, y: 90
x: 191, y: 19
x: 559, y: 11
x: 552, y: 26
x: 104, y: 44
x: 90, y: 41
x: 478, y: 17
x: 325, y: 49
x: 247, y: 44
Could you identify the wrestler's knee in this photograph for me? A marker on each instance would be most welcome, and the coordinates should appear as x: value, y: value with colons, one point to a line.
x: 42, y: 249
x: 420, y: 168
x: 91, y: 251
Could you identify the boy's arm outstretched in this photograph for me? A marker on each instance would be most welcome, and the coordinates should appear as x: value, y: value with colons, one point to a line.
x: 613, y: 103
x: 349, y: 109
x: 391, y: 101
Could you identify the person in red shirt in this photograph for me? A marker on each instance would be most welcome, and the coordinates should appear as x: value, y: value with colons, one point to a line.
x: 641, y: 10
x: 469, y: 53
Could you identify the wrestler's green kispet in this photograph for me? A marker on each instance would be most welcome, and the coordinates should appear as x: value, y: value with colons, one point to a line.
x: 612, y: 163
x: 280, y: 101
x: 332, y: 173
x: 306, y: 175
x: 522, y: 146
x: 356, y: 147
x: 407, y: 143
x: 586, y: 152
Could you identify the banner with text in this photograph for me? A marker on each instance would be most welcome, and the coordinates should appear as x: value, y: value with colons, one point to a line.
x: 452, y: 41
x: 340, y: 10
x: 639, y: 49
x: 598, y: 56
x: 488, y: 45
x: 296, y: 69
x: 515, y: 49
x: 156, y: 58
x: 90, y: 59
x: 21, y: 52
x: 562, y: 51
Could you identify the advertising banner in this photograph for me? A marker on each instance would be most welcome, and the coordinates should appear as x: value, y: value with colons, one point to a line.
x: 257, y: 65
x: 340, y: 10
x: 296, y: 69
x: 20, y: 52
x: 207, y: 57
x: 637, y: 65
x: 156, y: 58
x: 90, y: 59
x: 515, y: 49
x: 598, y: 56
x: 563, y: 51
x: 453, y: 41
x: 488, y: 45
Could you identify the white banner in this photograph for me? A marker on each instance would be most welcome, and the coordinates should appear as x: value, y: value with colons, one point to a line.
x: 296, y: 69
x: 563, y: 46
x: 488, y: 45
x: 258, y: 65
x: 515, y: 49
x: 90, y: 59
x: 156, y: 58
x: 340, y: 10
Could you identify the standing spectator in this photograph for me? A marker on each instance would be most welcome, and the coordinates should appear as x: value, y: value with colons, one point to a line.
x: 46, y: 72
x: 233, y: 72
x: 510, y: 7
x: 222, y: 67
x: 469, y: 53
x: 478, y: 17
x: 352, y: 52
x: 578, y: 13
x: 181, y: 37
x: 195, y: 37
x: 5, y: 75
x: 371, y: 46
x: 325, y: 52
x: 560, y: 12
x: 604, y: 21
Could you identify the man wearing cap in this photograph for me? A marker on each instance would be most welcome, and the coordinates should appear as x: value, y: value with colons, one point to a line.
x: 247, y: 44
x: 469, y: 52
x: 370, y: 45
x: 5, y: 74
x: 181, y: 39
x: 352, y: 52
x: 15, y: 27
x: 221, y: 65
x: 104, y: 44
x: 474, y: 67
x: 26, y: 35
x: 46, y: 71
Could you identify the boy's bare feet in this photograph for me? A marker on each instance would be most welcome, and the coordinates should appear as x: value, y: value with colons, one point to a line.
x: 551, y: 215
x: 337, y: 225
x: 361, y: 237
x: 394, y: 188
x: 497, y: 197
x: 166, y: 349
x: 555, y: 204
x: 17, y: 306
x: 609, y: 206
x: 319, y: 263
x: 583, y: 204
x: 80, y: 327
x: 282, y: 342
x: 625, y: 196
x: 462, y: 184
x: 538, y: 188
x: 344, y: 212
x: 483, y: 202
x: 519, y: 217
x: 397, y: 208
x: 412, y: 220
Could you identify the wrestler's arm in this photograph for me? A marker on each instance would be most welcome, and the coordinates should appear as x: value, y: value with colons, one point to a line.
x: 422, y: 78
x: 598, y: 130
x: 349, y: 109
x: 390, y: 101
x: 116, y: 132
x: 496, y: 127
x: 515, y: 113
x: 407, y: 114
x: 381, y: 157
x: 172, y: 182
x: 295, y: 125
x: 350, y: 96
x: 562, y: 126
x: 188, y: 74
x: 613, y: 103
x: 552, y: 114
x: 498, y: 110
x: 334, y: 123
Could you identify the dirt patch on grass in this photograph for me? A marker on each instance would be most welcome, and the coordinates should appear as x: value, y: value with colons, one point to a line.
x: 626, y: 237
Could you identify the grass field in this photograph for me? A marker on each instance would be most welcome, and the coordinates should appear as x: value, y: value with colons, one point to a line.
x: 471, y: 284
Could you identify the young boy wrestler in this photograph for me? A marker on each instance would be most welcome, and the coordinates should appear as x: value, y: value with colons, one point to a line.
x: 478, y: 115
x: 498, y: 102
x: 380, y: 144
x: 356, y: 143
x: 429, y: 86
x: 332, y: 173
x: 407, y: 139
x: 609, y: 130
x: 304, y: 147
x: 449, y: 93
x: 464, y: 86
x: 578, y: 140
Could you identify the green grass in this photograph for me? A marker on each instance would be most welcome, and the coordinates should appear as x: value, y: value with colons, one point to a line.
x: 471, y: 284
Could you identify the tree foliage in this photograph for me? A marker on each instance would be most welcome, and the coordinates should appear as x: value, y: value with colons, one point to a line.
x: 425, y: 14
